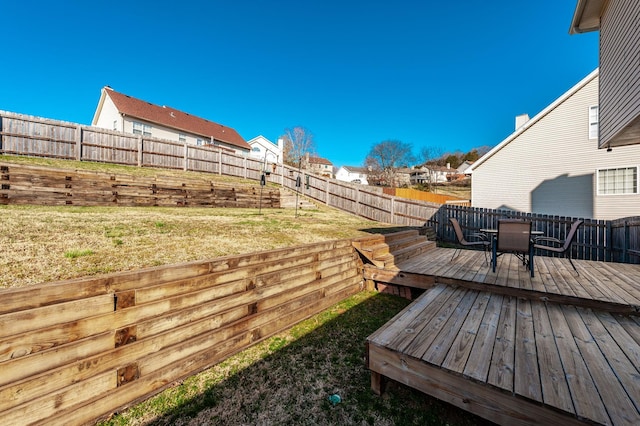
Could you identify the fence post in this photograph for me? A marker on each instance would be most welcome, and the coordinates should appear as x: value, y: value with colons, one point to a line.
x: 608, y: 250
x: 219, y: 159
x: 326, y: 182
x: 185, y: 164
x: 78, y: 142
x: 392, y: 210
x: 140, y: 150
x: 625, y: 248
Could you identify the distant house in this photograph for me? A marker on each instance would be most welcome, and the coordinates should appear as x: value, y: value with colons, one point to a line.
x: 318, y: 165
x: 353, y: 175
x: 552, y: 165
x: 464, y: 169
x: 117, y: 111
x: 430, y: 174
x: 619, y: 44
x: 265, y: 150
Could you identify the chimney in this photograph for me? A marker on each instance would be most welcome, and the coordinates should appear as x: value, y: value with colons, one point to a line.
x: 521, y: 120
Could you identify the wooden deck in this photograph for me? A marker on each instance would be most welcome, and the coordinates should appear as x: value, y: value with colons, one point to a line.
x: 560, y: 347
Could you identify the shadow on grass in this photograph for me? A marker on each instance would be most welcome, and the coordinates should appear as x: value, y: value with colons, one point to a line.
x: 288, y: 379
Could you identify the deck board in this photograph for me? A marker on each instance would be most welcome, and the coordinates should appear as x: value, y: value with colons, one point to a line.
x: 560, y: 347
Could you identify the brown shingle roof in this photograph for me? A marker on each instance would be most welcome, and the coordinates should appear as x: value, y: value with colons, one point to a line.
x: 319, y: 160
x: 175, y: 119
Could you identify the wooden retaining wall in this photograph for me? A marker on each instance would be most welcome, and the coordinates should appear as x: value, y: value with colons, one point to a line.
x: 22, y: 184
x: 75, y: 351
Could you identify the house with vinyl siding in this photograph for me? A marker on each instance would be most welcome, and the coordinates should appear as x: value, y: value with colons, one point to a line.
x: 124, y: 113
x: 619, y: 54
x: 552, y: 164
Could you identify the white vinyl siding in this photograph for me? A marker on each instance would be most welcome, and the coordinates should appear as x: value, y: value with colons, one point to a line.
x: 619, y: 181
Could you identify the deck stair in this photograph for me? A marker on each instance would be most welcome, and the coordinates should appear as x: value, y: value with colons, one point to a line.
x: 385, y: 250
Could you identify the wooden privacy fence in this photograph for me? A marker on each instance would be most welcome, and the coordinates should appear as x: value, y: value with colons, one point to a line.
x: 415, y: 194
x: 74, y: 351
x: 600, y: 240
x: 39, y: 137
x: 47, y: 186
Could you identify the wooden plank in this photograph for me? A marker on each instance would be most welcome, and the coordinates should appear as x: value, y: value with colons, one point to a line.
x: 439, y: 316
x: 526, y: 373
x: 41, y: 409
x: 586, y: 400
x: 461, y: 348
x: 496, y: 406
x: 555, y: 391
x: 477, y: 366
x: 621, y: 354
x: 27, y: 366
x: 21, y: 322
x: 502, y: 362
x: 404, y: 320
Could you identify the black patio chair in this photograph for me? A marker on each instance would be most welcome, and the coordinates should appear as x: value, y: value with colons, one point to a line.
x: 514, y: 237
x: 562, y: 247
x: 481, y: 239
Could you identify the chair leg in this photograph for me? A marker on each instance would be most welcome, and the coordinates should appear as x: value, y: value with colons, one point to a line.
x: 494, y: 256
x: 574, y: 266
x: 454, y: 253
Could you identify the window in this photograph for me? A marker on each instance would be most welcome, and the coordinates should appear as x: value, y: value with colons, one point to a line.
x: 255, y: 149
x: 199, y: 142
x: 618, y: 181
x: 115, y: 124
x: 182, y: 138
x: 593, y: 122
x: 141, y: 129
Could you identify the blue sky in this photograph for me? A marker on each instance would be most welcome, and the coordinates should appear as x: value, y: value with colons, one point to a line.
x: 449, y: 75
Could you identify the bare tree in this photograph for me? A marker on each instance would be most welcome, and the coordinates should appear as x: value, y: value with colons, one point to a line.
x: 385, y: 158
x: 298, y: 141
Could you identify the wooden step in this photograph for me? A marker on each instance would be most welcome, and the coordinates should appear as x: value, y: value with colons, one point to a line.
x: 390, y: 260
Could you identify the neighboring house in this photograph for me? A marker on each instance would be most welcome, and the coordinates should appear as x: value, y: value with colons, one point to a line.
x: 619, y: 44
x: 552, y: 165
x: 124, y: 113
x: 430, y: 174
x: 464, y: 169
x: 265, y: 150
x: 352, y: 174
x: 318, y: 165
x: 403, y: 177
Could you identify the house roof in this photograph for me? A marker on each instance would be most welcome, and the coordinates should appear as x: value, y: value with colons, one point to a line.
x: 587, y: 15
x: 175, y: 119
x: 534, y: 120
x: 360, y: 170
x: 319, y: 160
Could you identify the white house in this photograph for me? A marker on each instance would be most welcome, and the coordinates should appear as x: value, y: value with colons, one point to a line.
x: 117, y: 111
x: 552, y: 165
x: 617, y: 21
x: 352, y: 174
x: 265, y: 150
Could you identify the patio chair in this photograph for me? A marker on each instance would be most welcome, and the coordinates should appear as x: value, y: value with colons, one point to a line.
x: 482, y: 239
x: 562, y: 247
x: 514, y: 237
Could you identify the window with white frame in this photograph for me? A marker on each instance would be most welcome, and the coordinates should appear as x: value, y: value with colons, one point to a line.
x: 199, y: 142
x: 623, y: 180
x: 115, y: 124
x: 141, y: 129
x: 593, y: 122
x: 182, y: 138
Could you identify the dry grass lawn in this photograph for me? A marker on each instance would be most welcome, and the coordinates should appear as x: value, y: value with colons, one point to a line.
x: 42, y: 244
